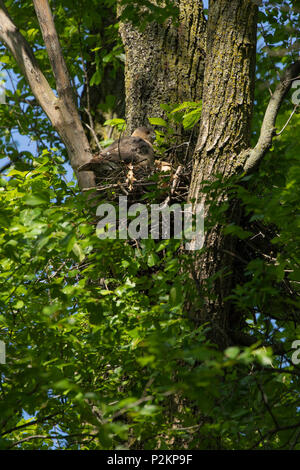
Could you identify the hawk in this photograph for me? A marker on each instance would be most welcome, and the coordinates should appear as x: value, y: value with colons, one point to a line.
x: 136, y: 149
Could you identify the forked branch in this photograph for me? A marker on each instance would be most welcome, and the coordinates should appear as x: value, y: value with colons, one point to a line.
x: 25, y: 59
x: 62, y: 111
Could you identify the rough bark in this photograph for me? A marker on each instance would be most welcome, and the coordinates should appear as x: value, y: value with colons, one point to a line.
x: 224, y: 135
x: 164, y: 63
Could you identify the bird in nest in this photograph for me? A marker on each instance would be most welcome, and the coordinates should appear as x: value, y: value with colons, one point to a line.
x: 136, y: 150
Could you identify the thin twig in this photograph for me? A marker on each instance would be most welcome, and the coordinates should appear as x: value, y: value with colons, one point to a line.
x: 292, y: 113
x: 173, y: 187
x: 265, y: 400
x: 91, y: 128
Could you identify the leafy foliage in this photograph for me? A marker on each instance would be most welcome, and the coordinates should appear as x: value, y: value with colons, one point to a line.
x: 186, y: 114
x: 101, y: 350
x: 99, y: 347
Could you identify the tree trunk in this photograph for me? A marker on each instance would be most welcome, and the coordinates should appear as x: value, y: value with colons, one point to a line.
x: 228, y: 91
x: 164, y: 63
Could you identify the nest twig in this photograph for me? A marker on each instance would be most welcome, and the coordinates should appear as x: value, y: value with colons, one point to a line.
x: 165, y: 186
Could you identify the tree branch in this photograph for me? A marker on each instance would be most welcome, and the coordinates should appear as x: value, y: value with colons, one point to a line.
x: 61, y: 111
x: 29, y: 423
x: 268, y: 130
x: 287, y: 122
x: 57, y: 61
x: 25, y: 59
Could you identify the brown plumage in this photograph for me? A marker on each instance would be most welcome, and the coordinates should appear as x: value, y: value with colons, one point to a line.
x: 136, y: 149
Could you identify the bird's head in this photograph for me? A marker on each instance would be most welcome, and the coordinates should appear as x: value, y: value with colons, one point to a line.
x: 144, y: 133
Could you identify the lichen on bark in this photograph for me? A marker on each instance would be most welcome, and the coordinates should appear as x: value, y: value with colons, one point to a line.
x: 228, y: 94
x: 164, y: 63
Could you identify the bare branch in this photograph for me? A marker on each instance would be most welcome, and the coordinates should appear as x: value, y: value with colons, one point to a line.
x: 91, y: 128
x: 287, y: 122
x: 57, y: 61
x: 29, y: 423
x: 52, y: 437
x: 5, y: 167
x: 25, y: 59
x: 173, y: 187
x: 268, y: 130
x: 87, y: 86
x: 29, y: 438
x: 266, y: 403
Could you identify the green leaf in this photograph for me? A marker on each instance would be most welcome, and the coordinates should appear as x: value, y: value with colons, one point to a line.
x: 232, y: 352
x: 114, y: 122
x: 191, y: 119
x: 77, y: 250
x: 158, y: 122
x: 186, y: 105
x: 152, y: 260
x: 37, y: 199
x: 175, y: 295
